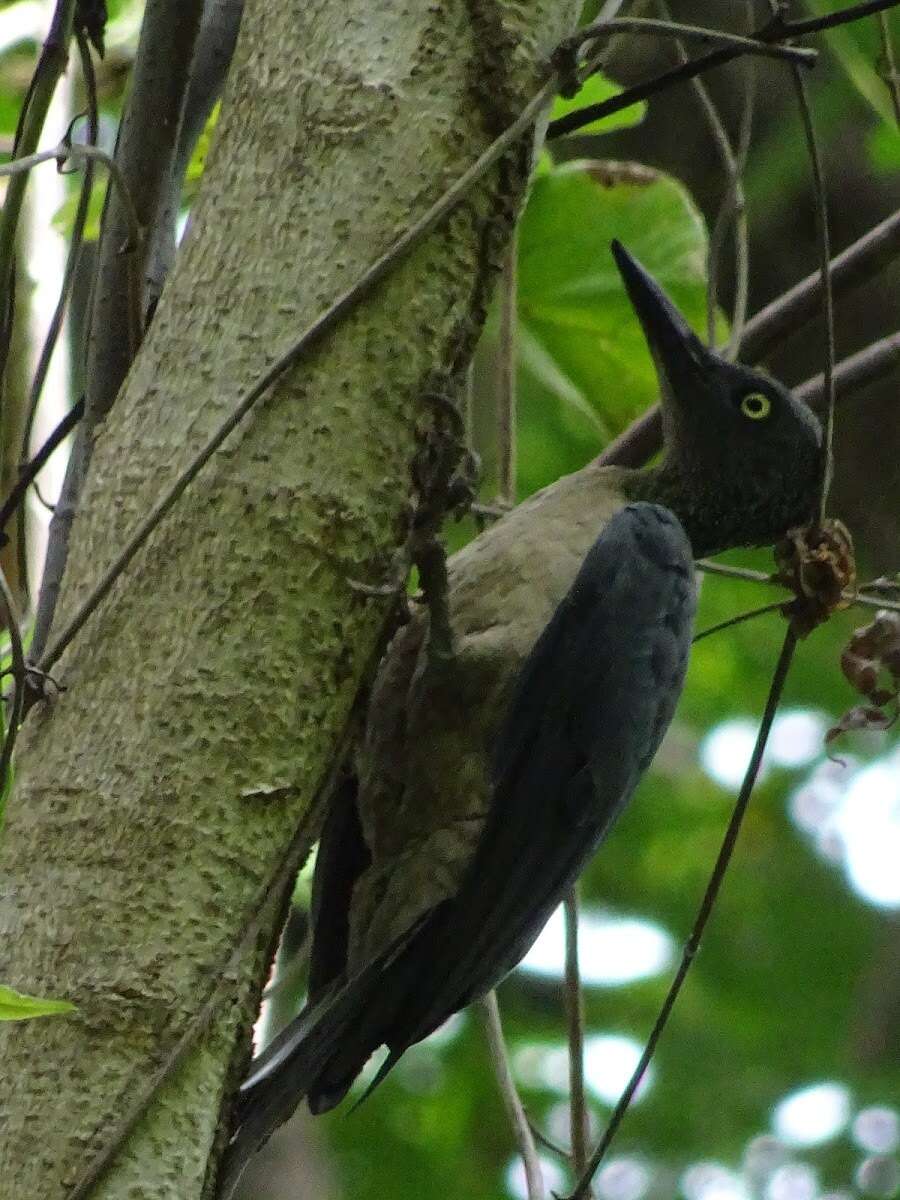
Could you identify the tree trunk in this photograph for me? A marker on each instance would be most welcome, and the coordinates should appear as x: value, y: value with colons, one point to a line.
x: 206, y: 701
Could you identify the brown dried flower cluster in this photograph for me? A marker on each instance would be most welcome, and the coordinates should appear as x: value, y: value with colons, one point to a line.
x: 817, y: 564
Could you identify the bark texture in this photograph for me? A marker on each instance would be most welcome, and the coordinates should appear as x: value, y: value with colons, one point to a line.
x: 205, y: 700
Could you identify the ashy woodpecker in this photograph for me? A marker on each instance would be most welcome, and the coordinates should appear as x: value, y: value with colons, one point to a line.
x: 486, y: 780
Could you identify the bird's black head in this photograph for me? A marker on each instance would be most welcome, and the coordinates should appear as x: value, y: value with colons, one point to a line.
x: 743, y: 457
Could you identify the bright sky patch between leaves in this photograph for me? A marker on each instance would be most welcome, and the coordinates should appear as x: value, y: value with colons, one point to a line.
x: 612, y: 949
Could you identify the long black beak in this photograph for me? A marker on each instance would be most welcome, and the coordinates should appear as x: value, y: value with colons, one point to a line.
x: 679, y: 354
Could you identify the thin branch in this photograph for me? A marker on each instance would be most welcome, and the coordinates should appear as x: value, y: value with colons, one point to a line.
x: 738, y: 207
x: 775, y: 606
x: 824, y: 242
x: 58, y: 545
x: 213, y: 51
x: 638, y: 92
x: 746, y: 573
x: 574, y: 1001
x: 49, y: 70
x: 705, y: 911
x: 859, y: 598
x: 547, y: 1143
x: 854, y: 372
x: 733, y: 200
x: 33, y: 468
x: 843, y: 16
x: 14, y: 716
x: 145, y: 150
x: 72, y: 259
x: 314, y: 334
x: 534, y: 1179
x: 771, y: 326
x: 856, y: 265
x: 716, y: 58
x: 67, y: 150
x: 506, y: 380
x: 574, y: 121
x: 689, y: 33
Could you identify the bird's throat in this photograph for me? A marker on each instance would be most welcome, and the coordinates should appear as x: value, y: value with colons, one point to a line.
x: 719, y: 512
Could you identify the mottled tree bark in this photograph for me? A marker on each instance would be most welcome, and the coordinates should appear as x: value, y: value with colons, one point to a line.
x: 206, y: 699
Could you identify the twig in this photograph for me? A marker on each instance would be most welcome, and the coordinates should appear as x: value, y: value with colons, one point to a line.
x: 775, y: 606
x: 506, y: 380
x: 33, y: 468
x: 72, y: 150
x: 854, y: 266
x: 716, y: 58
x: 574, y: 1002
x: 703, y: 915
x: 843, y: 16
x: 733, y: 201
x: 891, y: 78
x: 574, y: 121
x: 72, y: 258
x: 534, y: 1179
x: 14, y: 716
x: 314, y: 334
x: 547, y: 1143
x: 213, y: 50
x: 854, y: 372
x: 714, y: 568
x: 689, y: 33
x: 50, y: 68
x: 771, y: 326
x: 145, y: 150
x: 857, y: 598
x: 57, y: 545
x: 824, y: 242
x: 638, y: 92
x: 738, y: 206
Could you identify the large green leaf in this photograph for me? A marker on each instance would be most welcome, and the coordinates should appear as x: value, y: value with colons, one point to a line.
x: 584, y: 369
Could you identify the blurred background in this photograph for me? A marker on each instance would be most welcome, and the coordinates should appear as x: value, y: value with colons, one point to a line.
x: 778, y: 1077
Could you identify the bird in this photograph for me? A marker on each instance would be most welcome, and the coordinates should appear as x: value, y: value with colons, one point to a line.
x: 486, y: 779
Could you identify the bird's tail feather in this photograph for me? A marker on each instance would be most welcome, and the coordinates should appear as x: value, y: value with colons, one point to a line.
x: 318, y: 1055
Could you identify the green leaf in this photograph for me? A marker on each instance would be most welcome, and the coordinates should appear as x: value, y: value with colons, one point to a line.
x: 197, y: 165
x: 595, y: 90
x: 15, y: 1006
x: 884, y: 148
x: 584, y: 371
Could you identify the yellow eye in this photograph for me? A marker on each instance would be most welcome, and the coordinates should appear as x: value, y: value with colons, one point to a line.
x: 756, y: 406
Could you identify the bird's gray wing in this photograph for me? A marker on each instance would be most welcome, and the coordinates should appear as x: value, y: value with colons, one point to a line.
x: 590, y: 707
